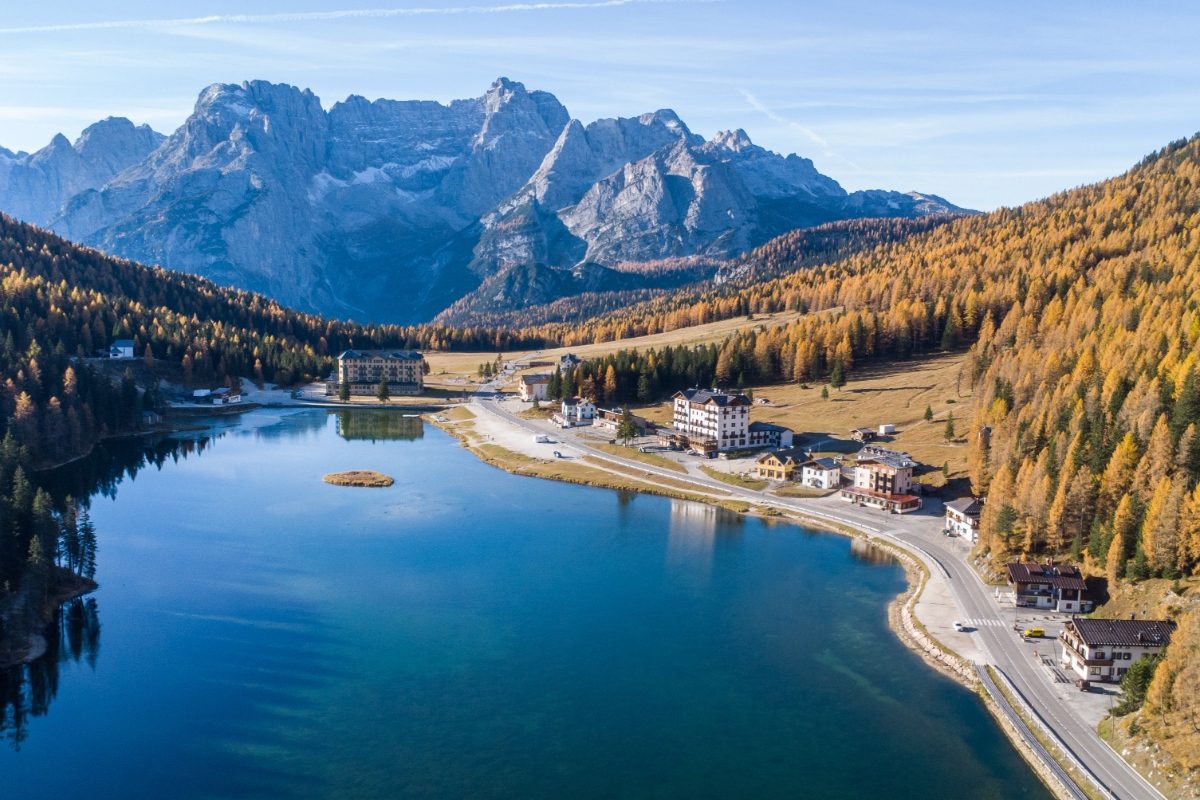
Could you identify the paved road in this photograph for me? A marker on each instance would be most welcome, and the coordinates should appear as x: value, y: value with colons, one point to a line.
x: 923, y: 532
x: 1014, y: 657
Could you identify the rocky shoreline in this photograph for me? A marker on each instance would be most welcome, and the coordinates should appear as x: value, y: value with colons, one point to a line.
x: 23, y: 639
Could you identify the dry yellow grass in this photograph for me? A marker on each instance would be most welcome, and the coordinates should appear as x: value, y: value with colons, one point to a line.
x: 359, y: 477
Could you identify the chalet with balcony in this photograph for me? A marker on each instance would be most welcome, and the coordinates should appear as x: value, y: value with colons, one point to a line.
x: 962, y: 518
x: 1104, y: 649
x: 1055, y: 587
x: 780, y: 465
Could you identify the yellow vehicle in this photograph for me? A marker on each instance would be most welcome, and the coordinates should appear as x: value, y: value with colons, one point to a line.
x: 1034, y: 633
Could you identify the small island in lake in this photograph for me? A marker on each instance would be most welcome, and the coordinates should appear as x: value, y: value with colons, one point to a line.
x: 359, y: 477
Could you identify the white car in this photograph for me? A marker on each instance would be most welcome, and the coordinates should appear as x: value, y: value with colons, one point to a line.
x: 958, y: 626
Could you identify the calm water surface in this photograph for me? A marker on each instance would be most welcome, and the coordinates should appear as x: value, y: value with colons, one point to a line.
x: 467, y: 633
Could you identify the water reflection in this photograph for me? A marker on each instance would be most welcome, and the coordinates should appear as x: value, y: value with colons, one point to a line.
x: 378, y: 425
x: 27, y: 690
x: 300, y: 424
x: 111, y: 462
x: 871, y: 553
x: 692, y: 535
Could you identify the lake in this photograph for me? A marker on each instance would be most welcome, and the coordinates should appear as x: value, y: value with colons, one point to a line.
x: 468, y: 633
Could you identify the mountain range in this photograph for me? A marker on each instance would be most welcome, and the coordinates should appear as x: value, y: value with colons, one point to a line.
x: 395, y: 210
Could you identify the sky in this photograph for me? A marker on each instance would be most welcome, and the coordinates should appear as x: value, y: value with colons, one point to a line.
x: 986, y: 104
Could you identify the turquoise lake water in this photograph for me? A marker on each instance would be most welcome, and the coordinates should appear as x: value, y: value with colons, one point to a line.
x: 468, y: 633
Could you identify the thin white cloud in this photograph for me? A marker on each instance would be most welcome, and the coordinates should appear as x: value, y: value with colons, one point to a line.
x: 326, y: 16
x: 805, y: 131
x: 757, y: 105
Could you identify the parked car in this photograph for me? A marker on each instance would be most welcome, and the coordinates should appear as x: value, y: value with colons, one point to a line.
x: 1034, y: 633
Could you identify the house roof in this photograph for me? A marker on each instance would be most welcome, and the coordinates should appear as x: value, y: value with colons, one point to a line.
x: 1123, y: 632
x: 768, y: 426
x: 968, y: 506
x: 701, y: 396
x: 1060, y: 576
x: 539, y: 377
x: 823, y: 463
x: 792, y: 454
x: 873, y: 450
x: 897, y: 461
x: 396, y: 355
x: 123, y: 343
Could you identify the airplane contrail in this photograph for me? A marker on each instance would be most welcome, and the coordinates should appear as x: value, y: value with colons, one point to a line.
x: 323, y: 16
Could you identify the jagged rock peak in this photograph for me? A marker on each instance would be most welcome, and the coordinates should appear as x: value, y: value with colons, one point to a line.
x: 248, y: 96
x: 666, y: 117
x: 397, y: 208
x: 736, y: 140
x: 116, y: 132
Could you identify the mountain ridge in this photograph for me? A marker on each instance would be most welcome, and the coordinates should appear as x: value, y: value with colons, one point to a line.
x: 393, y: 210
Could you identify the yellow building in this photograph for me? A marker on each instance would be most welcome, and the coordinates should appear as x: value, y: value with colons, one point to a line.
x: 780, y: 465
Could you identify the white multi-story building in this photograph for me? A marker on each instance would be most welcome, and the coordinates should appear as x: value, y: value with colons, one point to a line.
x: 576, y: 411
x: 962, y: 518
x: 884, y: 482
x: 821, y: 473
x: 1104, y: 649
x: 711, y: 421
x: 768, y: 434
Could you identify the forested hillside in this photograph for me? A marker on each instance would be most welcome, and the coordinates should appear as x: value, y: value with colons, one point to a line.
x: 702, y: 283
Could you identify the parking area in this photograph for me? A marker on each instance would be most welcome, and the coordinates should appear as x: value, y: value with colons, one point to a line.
x: 1092, y: 705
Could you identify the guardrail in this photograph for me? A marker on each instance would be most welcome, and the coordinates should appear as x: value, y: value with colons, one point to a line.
x: 1027, y: 735
x: 1049, y: 733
